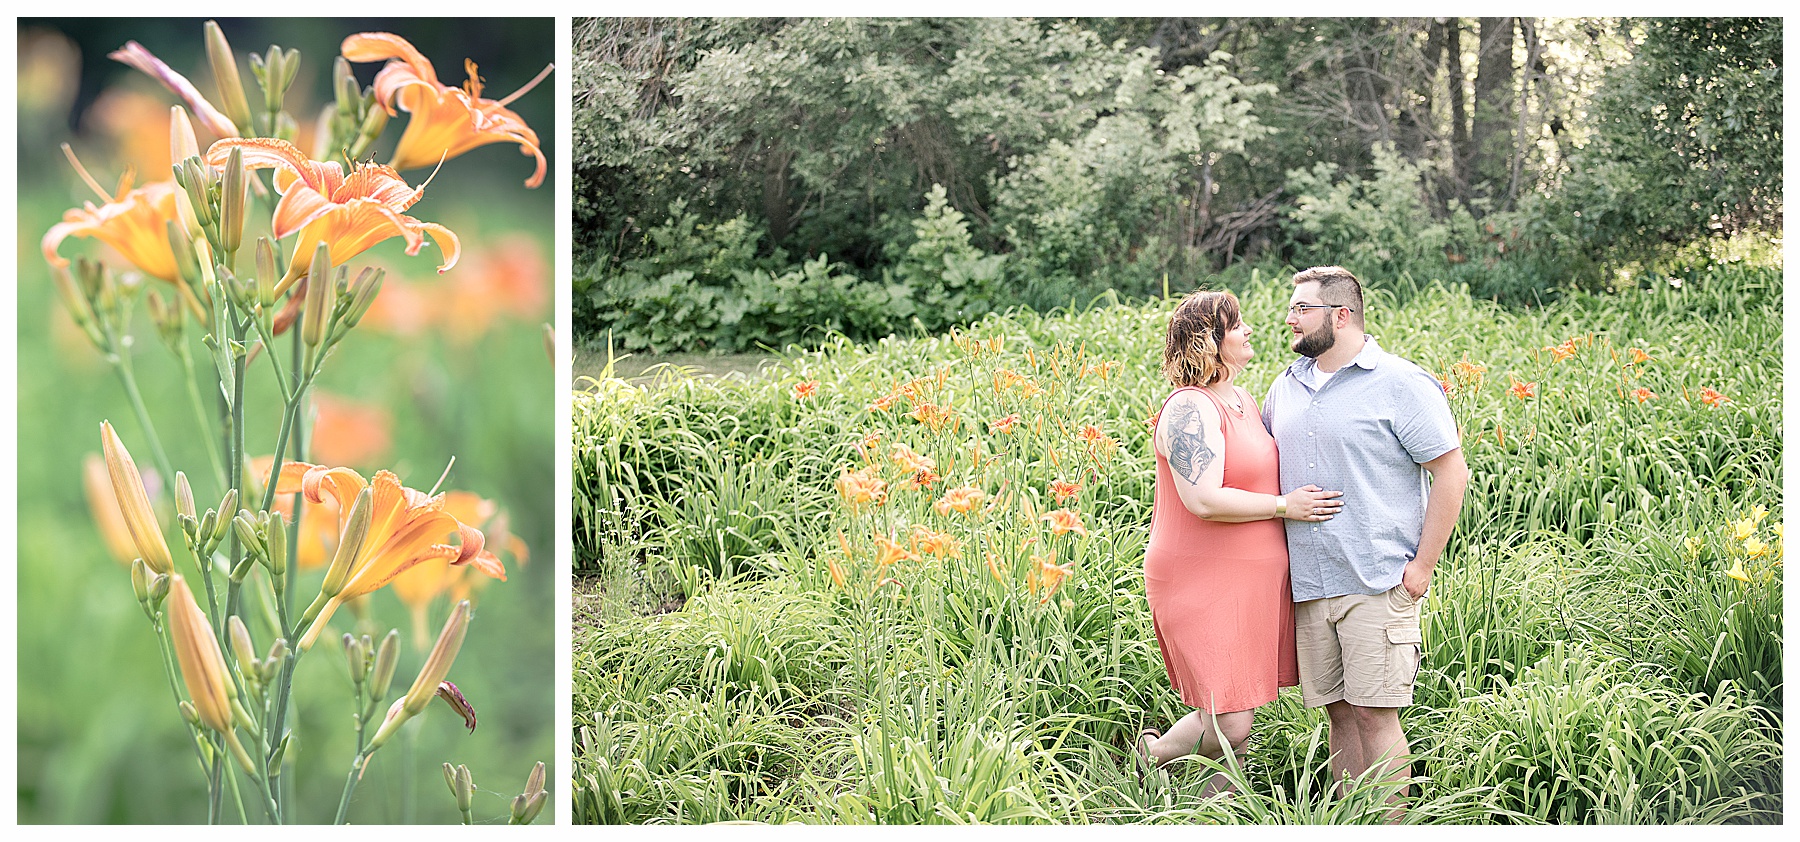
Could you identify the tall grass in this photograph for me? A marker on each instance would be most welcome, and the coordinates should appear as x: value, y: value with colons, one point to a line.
x: 1603, y: 638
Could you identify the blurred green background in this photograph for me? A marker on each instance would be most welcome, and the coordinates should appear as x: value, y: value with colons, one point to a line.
x: 444, y: 366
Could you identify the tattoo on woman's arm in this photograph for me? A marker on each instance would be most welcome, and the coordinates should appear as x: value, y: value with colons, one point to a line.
x: 1188, y: 453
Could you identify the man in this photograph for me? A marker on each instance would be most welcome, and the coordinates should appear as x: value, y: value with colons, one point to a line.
x: 1351, y: 416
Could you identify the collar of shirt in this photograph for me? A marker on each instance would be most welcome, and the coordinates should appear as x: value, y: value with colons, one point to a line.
x: 1305, y: 368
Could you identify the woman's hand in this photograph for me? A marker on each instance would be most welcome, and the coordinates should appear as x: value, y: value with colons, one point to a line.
x: 1310, y: 502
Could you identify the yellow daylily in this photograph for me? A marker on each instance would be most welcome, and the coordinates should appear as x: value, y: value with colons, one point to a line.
x: 446, y: 121
x: 133, y: 221
x: 404, y: 527
x: 1738, y: 572
x: 1742, y: 529
x: 348, y: 213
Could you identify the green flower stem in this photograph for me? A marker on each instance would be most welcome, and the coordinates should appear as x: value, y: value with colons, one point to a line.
x: 356, y: 771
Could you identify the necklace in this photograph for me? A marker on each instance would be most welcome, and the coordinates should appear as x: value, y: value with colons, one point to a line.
x: 1234, y: 402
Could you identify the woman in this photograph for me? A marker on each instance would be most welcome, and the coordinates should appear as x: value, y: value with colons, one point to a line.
x: 1216, y: 569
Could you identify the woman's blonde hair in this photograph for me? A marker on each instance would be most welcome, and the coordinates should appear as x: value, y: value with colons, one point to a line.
x: 1191, y: 356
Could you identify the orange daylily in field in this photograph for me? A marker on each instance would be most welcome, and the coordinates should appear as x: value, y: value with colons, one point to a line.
x: 132, y: 221
x: 1004, y: 425
x: 911, y: 461
x: 446, y: 121
x: 1064, y: 490
x: 404, y: 529
x: 1712, y: 398
x: 805, y: 389
x: 1642, y: 395
x: 424, y: 582
x: 348, y: 213
x: 1522, y: 390
x: 963, y: 499
x: 1063, y: 521
x: 862, y: 487
x: 940, y: 544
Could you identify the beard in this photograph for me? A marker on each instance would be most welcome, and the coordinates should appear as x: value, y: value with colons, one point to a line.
x: 1317, y: 342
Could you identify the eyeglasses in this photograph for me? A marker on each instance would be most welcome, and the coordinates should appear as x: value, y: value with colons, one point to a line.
x: 1300, y: 309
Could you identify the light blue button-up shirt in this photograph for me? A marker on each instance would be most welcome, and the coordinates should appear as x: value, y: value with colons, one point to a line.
x: 1363, y: 431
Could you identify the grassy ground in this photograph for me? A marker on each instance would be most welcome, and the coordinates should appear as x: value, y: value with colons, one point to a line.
x: 789, y: 618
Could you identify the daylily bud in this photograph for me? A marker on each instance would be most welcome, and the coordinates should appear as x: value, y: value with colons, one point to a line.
x: 245, y: 523
x: 188, y: 713
x: 204, y: 531
x: 134, y: 502
x: 233, y: 198
x: 362, y: 294
x: 159, y: 589
x: 241, y: 646
x: 374, y: 121
x: 386, y: 659
x: 525, y: 808
x: 277, y: 553
x: 140, y: 582
x: 225, y: 73
x: 356, y: 652
x: 265, y: 271
x: 320, y: 292
x: 277, y: 653
x: 226, y: 504
x: 344, y: 87
x: 356, y: 528
x: 184, y: 496
x: 197, y: 179
x: 462, y: 786
x: 182, y: 144
x: 202, y: 665
x: 187, y: 263
x: 431, y: 679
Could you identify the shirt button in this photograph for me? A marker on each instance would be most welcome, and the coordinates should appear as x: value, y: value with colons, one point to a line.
x: 1309, y: 434
x: 1315, y: 529
x: 1315, y: 403
x: 1310, y: 465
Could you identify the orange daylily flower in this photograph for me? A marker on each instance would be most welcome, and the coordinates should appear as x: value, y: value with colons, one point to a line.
x: 424, y: 582
x: 862, y: 487
x: 1064, y: 490
x: 349, y: 213
x: 1642, y: 394
x: 1005, y: 425
x: 994, y: 567
x: 1092, y: 434
x: 1712, y: 398
x: 1063, y: 521
x: 940, y: 544
x: 887, y: 551
x: 912, y: 462
x: 132, y: 221
x: 1558, y: 353
x: 805, y: 390
x: 931, y: 415
x: 1045, y: 573
x: 1638, y: 356
x: 963, y: 499
x: 924, y: 479
x: 404, y: 528
x: 446, y: 121
x: 1522, y: 390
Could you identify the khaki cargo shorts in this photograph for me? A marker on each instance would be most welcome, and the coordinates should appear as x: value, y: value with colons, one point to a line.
x: 1361, y: 648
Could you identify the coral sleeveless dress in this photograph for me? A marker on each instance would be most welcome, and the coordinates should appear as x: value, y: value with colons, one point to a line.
x: 1219, y: 592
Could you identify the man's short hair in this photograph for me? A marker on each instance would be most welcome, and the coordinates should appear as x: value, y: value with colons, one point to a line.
x: 1336, y: 286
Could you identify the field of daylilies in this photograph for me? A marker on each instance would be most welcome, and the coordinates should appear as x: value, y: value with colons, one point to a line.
x: 902, y: 582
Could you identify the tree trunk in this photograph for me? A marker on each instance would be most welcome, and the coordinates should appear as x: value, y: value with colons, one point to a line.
x: 1462, y: 155
x: 775, y: 190
x: 1495, y: 103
